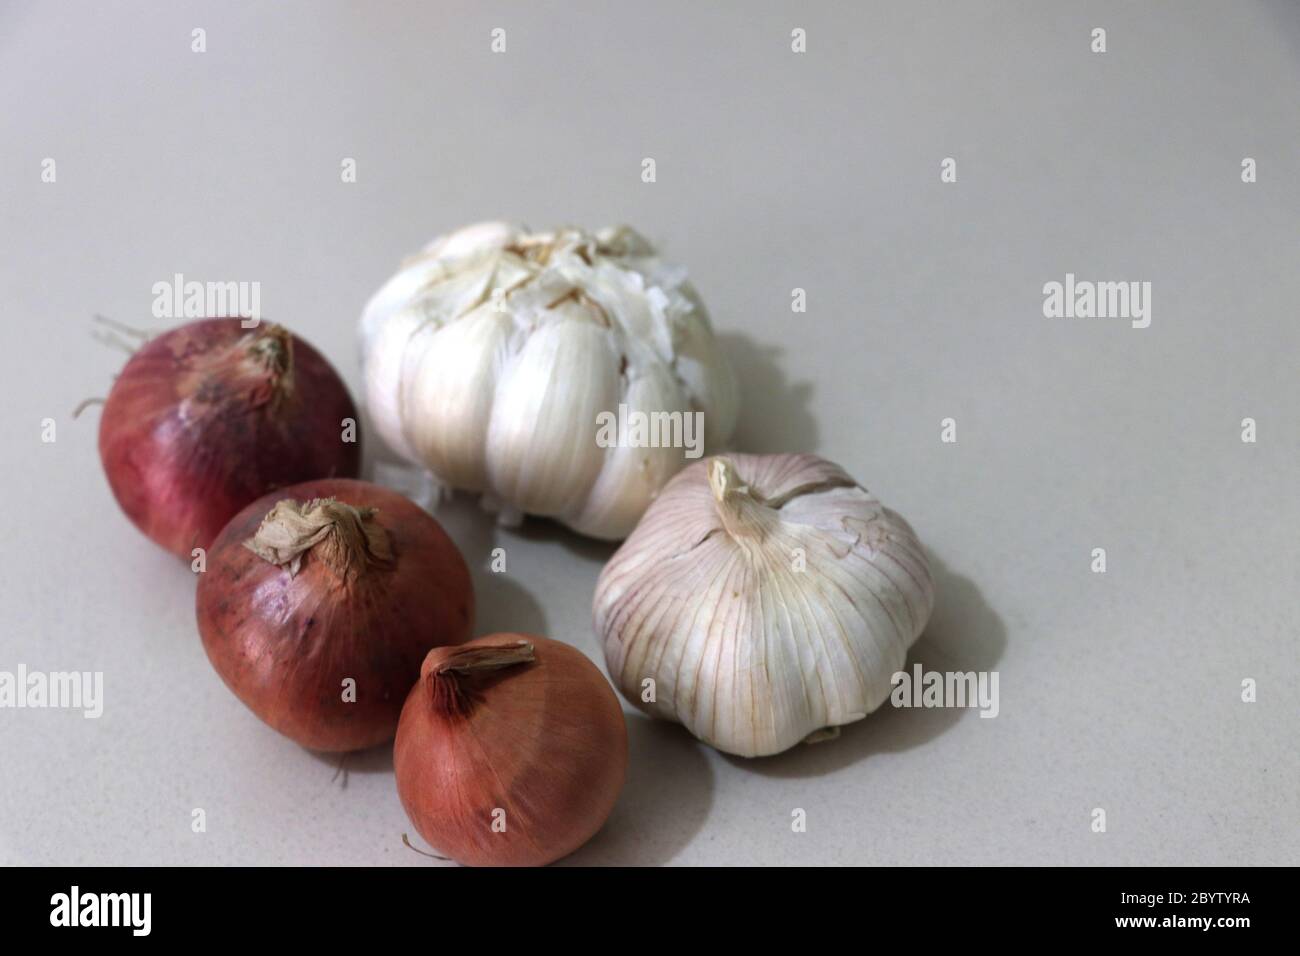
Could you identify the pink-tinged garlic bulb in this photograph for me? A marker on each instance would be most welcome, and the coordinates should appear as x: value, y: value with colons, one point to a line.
x: 496, y: 357
x: 762, y: 600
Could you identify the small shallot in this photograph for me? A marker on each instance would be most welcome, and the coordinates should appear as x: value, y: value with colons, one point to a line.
x: 511, y: 751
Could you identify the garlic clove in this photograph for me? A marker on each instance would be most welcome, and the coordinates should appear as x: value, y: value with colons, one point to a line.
x: 454, y: 383
x: 394, y: 296
x: 630, y: 475
x: 707, y: 375
x: 542, y: 454
x: 382, y: 371
x: 393, y: 340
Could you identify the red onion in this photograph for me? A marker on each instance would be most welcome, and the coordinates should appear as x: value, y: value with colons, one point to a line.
x: 320, y: 602
x: 207, y: 417
x: 511, y: 751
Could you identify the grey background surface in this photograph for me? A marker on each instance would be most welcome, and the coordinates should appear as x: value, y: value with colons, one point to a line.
x: 775, y: 170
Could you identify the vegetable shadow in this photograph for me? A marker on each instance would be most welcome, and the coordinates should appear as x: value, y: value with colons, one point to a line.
x: 964, y: 634
x: 664, y: 804
x: 774, y: 416
x: 500, y: 602
x: 589, y: 549
x: 376, y: 759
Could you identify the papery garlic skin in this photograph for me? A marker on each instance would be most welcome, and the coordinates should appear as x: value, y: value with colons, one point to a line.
x: 489, y: 356
x: 753, y: 655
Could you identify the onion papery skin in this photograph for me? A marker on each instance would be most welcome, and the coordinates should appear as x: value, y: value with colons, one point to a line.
x: 285, y: 643
x: 197, y: 426
x: 545, y: 741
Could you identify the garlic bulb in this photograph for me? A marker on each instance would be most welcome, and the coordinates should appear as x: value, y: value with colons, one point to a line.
x: 497, y: 356
x: 761, y: 601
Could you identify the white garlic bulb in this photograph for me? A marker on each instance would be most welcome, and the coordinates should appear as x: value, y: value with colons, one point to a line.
x: 762, y: 600
x: 490, y: 358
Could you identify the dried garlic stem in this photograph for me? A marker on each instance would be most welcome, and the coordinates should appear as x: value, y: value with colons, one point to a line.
x: 744, y: 512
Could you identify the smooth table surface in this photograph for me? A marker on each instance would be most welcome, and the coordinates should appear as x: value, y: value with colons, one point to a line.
x: 775, y: 170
